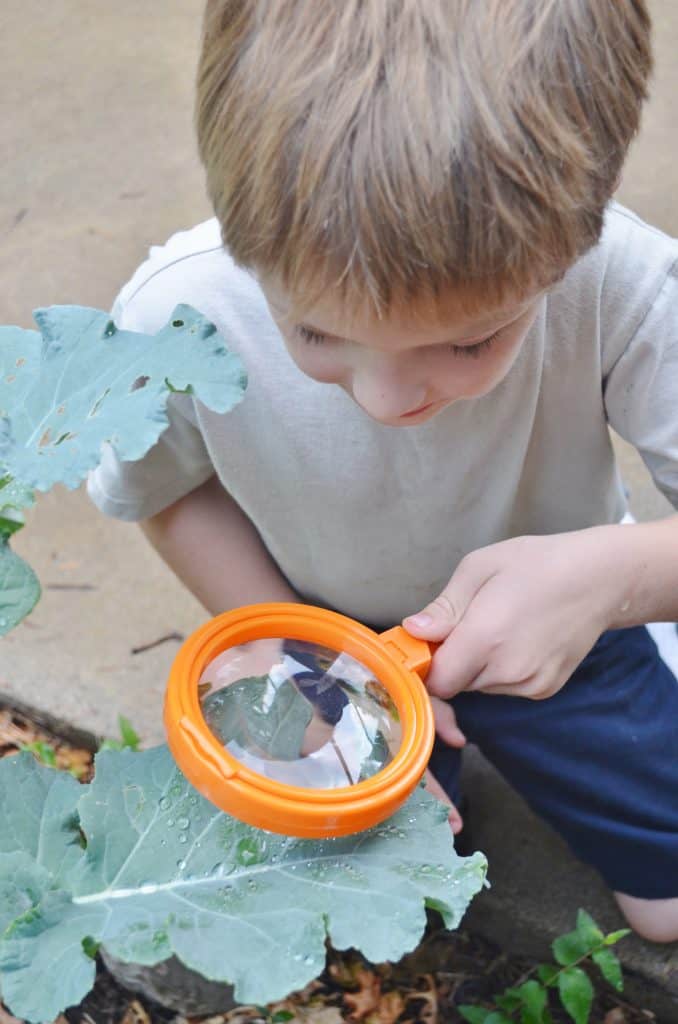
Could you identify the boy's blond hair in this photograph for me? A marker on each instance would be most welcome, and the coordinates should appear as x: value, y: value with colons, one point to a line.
x: 403, y: 148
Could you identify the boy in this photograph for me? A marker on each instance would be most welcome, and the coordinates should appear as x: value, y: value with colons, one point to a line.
x: 413, y: 200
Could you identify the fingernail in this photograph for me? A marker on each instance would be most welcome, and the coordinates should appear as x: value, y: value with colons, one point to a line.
x: 422, y: 619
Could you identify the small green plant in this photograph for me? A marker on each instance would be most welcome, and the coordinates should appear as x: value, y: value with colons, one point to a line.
x: 45, y: 753
x: 279, y: 1017
x: 129, y: 739
x: 528, y: 1002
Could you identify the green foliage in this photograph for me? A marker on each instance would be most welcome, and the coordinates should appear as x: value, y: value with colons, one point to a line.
x: 528, y: 1003
x: 129, y: 739
x: 79, y: 383
x: 240, y: 713
x: 19, y: 588
x: 90, y: 947
x: 163, y: 872
x: 44, y: 752
x: 279, y: 1017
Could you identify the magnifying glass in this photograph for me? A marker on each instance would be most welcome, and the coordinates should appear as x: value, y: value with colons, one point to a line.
x: 299, y: 720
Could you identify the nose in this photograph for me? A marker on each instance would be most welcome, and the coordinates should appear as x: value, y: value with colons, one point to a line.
x: 387, y: 389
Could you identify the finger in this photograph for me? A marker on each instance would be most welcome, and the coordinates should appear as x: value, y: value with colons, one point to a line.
x: 435, y: 789
x: 446, y: 723
x: 438, y: 618
x: 532, y: 688
x: 457, y: 662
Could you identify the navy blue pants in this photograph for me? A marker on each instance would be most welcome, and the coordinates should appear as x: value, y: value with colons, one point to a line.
x: 598, y: 761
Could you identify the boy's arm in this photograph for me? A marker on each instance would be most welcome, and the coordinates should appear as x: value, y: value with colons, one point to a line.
x: 517, y: 617
x: 211, y: 545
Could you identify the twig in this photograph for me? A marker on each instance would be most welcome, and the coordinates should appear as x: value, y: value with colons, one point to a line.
x: 156, y: 643
x: 69, y: 586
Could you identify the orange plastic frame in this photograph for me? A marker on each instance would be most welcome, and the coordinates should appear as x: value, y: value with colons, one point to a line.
x: 398, y: 660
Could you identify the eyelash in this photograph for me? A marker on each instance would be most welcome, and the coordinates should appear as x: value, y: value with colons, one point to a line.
x: 312, y: 337
x: 473, y: 351
x: 309, y: 336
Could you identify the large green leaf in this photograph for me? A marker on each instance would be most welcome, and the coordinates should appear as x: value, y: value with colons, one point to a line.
x: 22, y: 884
x: 38, y: 815
x: 13, y: 498
x: 19, y: 588
x: 82, y: 381
x: 165, y: 872
x: 247, y: 713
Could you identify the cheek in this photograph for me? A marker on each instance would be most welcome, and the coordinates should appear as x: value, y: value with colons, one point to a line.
x: 469, y: 377
x: 501, y: 360
x: 322, y: 362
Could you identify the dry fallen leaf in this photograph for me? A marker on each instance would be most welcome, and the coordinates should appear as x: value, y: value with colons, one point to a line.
x: 427, y: 1012
x: 238, y: 1015
x: 391, y: 1005
x: 74, y: 759
x: 367, y: 997
x: 317, y: 1015
x: 616, y: 1016
x: 135, y: 1014
x: 344, y: 971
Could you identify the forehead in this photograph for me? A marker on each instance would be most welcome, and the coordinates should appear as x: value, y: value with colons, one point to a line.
x: 455, y: 316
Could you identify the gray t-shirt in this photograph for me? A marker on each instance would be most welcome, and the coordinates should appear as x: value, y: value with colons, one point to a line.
x: 372, y: 520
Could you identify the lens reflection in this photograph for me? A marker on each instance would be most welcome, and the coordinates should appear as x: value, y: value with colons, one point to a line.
x: 300, y: 713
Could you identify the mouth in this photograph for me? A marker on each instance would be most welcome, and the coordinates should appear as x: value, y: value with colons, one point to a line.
x: 417, y: 412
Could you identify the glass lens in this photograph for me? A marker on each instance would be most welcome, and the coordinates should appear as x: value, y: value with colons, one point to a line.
x: 300, y: 713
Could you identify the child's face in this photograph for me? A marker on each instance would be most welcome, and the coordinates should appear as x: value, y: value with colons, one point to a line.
x: 403, y: 369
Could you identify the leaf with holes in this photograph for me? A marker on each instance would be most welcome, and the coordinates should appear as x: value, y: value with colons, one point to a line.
x: 83, y: 382
x: 164, y: 872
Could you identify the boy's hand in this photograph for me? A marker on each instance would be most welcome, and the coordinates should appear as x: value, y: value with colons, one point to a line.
x: 450, y: 733
x: 435, y: 789
x: 518, y: 617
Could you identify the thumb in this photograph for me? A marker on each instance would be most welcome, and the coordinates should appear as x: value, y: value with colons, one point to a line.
x: 437, y: 620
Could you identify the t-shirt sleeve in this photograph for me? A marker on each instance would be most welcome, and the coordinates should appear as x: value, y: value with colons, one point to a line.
x: 641, y: 388
x: 174, y: 466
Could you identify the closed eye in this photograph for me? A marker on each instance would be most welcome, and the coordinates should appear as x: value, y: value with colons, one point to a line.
x: 473, y: 351
x: 310, y: 336
x: 313, y: 337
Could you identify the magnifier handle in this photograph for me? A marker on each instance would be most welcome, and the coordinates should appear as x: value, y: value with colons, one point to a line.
x: 415, y: 654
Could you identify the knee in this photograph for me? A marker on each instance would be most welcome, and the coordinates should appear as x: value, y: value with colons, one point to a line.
x: 653, y: 920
